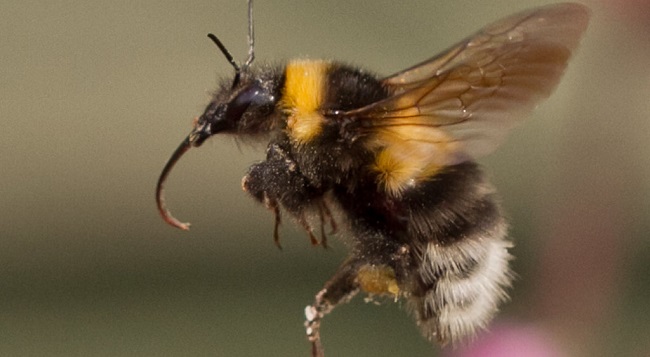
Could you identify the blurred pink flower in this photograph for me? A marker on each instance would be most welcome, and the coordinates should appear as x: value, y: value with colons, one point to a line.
x: 510, y: 340
x: 635, y: 12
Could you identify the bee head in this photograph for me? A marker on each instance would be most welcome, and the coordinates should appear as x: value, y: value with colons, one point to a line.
x: 240, y: 108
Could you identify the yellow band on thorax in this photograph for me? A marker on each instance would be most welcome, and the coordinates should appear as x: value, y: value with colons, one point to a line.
x: 304, y: 93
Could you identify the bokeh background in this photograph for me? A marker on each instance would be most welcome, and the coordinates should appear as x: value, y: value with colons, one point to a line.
x: 94, y: 97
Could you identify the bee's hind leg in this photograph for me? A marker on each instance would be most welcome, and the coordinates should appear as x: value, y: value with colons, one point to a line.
x: 339, y: 289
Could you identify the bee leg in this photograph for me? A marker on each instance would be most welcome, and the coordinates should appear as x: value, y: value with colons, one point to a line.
x: 307, y: 227
x: 328, y: 215
x: 323, y: 235
x: 339, y: 289
x: 277, y: 182
x: 325, y: 215
x: 273, y: 205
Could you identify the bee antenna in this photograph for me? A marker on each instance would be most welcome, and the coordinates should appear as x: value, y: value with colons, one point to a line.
x: 251, y: 36
x: 228, y: 56
x: 251, y: 47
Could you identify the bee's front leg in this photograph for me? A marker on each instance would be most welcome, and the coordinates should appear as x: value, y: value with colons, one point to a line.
x: 278, y: 182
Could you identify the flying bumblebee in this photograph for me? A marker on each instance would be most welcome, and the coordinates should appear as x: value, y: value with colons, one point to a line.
x: 389, y: 162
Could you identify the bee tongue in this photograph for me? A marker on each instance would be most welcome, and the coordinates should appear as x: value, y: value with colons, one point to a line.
x: 160, y: 195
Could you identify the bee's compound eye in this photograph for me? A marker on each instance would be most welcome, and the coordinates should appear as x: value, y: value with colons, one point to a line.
x: 247, y: 112
x: 242, y: 101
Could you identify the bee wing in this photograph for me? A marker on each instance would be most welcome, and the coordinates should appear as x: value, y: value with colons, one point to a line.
x: 461, y: 103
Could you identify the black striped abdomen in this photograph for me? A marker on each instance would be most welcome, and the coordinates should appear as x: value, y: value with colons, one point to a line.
x: 463, y: 284
x: 461, y: 250
x: 445, y: 239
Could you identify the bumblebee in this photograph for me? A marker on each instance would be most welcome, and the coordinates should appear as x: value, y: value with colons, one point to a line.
x: 390, y: 163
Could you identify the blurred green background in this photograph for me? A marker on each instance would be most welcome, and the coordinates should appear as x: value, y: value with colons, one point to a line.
x: 94, y: 97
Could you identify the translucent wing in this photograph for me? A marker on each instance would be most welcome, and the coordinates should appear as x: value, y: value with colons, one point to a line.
x: 461, y: 103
